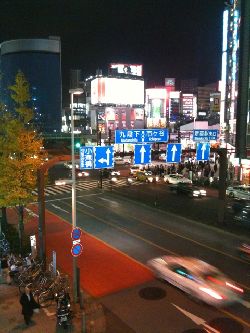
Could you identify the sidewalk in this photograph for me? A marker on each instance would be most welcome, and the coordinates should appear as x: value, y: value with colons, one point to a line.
x: 97, y: 318
x: 11, y: 319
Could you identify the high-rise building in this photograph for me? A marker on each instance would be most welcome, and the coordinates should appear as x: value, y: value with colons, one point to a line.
x: 40, y: 61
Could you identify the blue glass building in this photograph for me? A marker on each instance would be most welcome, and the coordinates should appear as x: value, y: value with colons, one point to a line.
x: 40, y: 61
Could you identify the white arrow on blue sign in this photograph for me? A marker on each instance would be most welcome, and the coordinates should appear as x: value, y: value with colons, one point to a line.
x: 202, y: 151
x: 142, y: 154
x: 174, y: 153
x: 104, y: 157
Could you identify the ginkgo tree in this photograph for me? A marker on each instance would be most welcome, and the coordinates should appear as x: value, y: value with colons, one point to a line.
x: 21, y: 152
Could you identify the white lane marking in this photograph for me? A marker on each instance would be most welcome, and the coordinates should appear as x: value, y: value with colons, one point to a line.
x: 197, y: 320
x: 82, y: 203
x: 30, y: 212
x: 59, y: 208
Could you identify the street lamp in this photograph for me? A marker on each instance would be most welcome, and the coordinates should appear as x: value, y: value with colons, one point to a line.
x: 77, y: 91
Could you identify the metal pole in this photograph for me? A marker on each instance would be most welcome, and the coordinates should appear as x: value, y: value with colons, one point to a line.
x: 41, y: 218
x: 73, y: 194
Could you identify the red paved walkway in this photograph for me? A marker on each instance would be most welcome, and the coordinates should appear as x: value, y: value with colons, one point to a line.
x: 103, y: 269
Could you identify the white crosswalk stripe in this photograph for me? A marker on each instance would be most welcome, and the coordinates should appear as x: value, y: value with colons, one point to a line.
x: 82, y: 186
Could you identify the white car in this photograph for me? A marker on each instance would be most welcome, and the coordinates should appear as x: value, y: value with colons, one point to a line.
x: 69, y: 165
x: 198, y: 279
x: 61, y: 182
x: 115, y: 173
x: 134, y: 169
x: 239, y: 191
x: 122, y: 161
x: 176, y: 178
x: 82, y: 174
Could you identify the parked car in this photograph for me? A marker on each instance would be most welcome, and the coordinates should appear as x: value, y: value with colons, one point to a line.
x: 176, y: 178
x: 189, y: 190
x: 197, y: 279
x: 239, y: 191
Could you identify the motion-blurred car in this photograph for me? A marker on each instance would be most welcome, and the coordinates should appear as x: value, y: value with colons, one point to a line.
x: 197, y: 279
x: 244, y: 251
x: 239, y: 191
x: 189, y: 190
x: 176, y: 178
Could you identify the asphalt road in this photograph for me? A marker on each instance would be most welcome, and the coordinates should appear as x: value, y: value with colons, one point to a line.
x: 143, y: 232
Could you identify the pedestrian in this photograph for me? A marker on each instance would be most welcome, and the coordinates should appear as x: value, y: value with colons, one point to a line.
x: 28, y: 305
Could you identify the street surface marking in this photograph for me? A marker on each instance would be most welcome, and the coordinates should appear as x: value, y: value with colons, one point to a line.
x: 197, y: 320
x: 59, y: 208
x: 81, y: 203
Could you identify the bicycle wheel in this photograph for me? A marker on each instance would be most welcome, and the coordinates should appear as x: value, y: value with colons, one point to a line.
x: 45, y: 299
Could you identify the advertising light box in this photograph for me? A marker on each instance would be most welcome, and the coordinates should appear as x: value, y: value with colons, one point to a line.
x: 117, y: 91
x: 127, y: 69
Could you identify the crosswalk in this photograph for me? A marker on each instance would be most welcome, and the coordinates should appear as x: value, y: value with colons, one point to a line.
x: 83, y: 186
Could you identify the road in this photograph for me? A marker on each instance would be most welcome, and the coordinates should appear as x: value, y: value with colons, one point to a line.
x: 144, y: 232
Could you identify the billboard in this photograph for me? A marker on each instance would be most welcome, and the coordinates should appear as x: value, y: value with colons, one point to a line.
x: 169, y: 82
x: 107, y: 90
x: 127, y: 69
x: 123, y: 118
x: 187, y: 105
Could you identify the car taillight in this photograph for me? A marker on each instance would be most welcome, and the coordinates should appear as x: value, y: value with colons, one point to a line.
x: 232, y: 286
x: 212, y: 293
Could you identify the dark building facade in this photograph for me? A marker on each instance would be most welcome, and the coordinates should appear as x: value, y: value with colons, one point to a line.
x: 40, y: 61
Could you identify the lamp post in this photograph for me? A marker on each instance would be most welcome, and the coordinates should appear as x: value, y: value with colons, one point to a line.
x: 77, y: 91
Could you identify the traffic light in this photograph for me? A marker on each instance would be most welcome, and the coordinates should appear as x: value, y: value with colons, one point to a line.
x: 77, y: 145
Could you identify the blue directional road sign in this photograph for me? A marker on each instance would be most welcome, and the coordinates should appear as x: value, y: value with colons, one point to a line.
x: 86, y: 157
x: 103, y: 157
x: 76, y: 234
x: 76, y: 249
x: 205, y: 135
x: 174, y: 153
x: 141, y: 135
x: 202, y: 151
x: 142, y: 154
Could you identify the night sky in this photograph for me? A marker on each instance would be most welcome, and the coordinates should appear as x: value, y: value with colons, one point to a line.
x: 178, y: 38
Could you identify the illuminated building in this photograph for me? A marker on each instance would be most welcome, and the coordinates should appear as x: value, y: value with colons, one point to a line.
x: 235, y: 83
x: 40, y: 61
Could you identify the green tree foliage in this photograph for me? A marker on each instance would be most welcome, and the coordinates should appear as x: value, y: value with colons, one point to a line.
x: 20, y: 151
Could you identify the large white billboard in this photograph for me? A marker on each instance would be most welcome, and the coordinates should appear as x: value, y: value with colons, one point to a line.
x: 107, y: 90
x: 127, y: 69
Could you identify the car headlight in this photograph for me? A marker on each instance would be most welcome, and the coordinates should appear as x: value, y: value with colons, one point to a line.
x: 114, y: 179
x: 150, y: 179
x: 79, y: 174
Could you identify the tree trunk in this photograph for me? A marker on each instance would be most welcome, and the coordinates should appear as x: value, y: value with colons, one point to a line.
x: 20, y: 228
x: 4, y: 218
